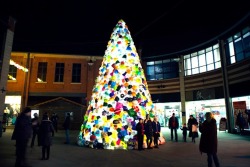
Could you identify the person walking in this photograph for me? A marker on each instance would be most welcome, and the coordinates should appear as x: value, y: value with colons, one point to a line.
x: 66, y: 126
x: 173, y: 125
x: 156, y: 131
x: 35, y: 128
x: 22, y: 133
x: 209, y: 141
x: 240, y: 121
x: 192, y: 121
x: 148, y: 131
x: 140, y: 134
x: 5, y: 121
x: 184, y: 132
x: 46, y: 133
x: 54, y: 120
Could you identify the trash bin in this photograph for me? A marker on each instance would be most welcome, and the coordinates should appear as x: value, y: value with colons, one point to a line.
x: 223, y: 124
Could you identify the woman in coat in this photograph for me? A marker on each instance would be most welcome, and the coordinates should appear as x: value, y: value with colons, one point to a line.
x: 148, y: 131
x: 22, y: 134
x: 140, y: 134
x: 46, y: 132
x: 192, y: 122
x: 156, y: 131
x: 209, y: 141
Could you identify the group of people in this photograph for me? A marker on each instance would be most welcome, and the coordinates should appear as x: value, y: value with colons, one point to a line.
x: 208, y: 129
x: 191, y: 127
x: 25, y: 128
x: 150, y: 127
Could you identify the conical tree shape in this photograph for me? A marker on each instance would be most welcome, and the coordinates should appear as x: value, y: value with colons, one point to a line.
x: 120, y: 95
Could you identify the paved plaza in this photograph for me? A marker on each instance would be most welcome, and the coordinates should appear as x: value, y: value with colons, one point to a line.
x: 233, y: 151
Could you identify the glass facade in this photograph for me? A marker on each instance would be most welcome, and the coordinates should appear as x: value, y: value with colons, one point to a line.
x: 237, y: 47
x: 202, y: 61
x: 163, y: 69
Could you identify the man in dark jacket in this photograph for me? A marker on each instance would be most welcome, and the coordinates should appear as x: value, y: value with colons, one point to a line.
x: 46, y: 132
x: 173, y: 124
x: 22, y: 133
x: 140, y: 134
x: 66, y: 126
x: 35, y: 128
x: 209, y: 141
x: 54, y: 120
x: 148, y: 131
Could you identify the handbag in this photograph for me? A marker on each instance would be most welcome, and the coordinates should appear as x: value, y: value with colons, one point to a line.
x: 194, y: 128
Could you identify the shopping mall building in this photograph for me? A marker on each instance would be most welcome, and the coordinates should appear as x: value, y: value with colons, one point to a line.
x: 213, y: 76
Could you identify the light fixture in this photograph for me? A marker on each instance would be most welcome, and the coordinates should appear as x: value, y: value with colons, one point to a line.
x: 90, y: 63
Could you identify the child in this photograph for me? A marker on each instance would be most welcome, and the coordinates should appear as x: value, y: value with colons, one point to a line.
x: 184, y: 132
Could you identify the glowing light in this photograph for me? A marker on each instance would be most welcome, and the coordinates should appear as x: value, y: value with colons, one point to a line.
x: 18, y: 66
x: 120, y: 95
x: 11, y: 77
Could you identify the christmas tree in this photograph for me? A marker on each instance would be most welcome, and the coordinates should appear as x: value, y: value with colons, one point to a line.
x: 120, y: 95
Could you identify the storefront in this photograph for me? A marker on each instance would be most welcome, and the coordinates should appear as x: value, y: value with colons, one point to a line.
x: 12, y: 109
x: 199, y: 108
x: 241, y: 104
x: 165, y: 111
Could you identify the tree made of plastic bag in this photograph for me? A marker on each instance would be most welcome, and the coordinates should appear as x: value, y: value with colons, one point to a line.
x: 119, y: 98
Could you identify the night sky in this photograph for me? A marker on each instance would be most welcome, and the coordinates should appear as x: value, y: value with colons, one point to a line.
x: 84, y: 27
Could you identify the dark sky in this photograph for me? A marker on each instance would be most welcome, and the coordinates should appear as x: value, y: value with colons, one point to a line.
x: 84, y: 27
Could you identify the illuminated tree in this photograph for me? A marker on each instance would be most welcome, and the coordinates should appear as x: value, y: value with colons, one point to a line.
x: 120, y: 95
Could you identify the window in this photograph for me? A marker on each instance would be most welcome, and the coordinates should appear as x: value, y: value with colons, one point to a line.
x: 210, y: 61
x: 59, y: 72
x: 42, y: 72
x: 217, y: 56
x: 12, y: 73
x: 238, y: 46
x: 238, y: 49
x: 163, y: 69
x: 76, y: 73
x: 246, y: 41
x: 202, y: 61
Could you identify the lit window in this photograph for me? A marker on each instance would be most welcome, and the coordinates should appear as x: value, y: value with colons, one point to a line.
x: 42, y: 72
x: 12, y: 73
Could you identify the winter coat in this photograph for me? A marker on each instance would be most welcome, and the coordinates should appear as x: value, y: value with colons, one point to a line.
x: 23, y: 128
x: 46, y: 133
x: 148, y: 128
x: 35, y: 124
x: 191, y: 122
x: 140, y: 129
x: 175, y: 125
x: 156, y: 127
x: 66, y: 123
x: 208, y: 140
x: 240, y: 121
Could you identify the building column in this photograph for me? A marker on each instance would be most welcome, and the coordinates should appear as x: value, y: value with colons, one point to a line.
x: 182, y: 89
x: 228, y: 99
x: 90, y: 80
x: 5, y: 61
x: 25, y: 91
